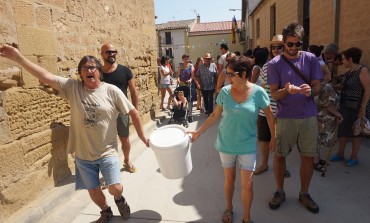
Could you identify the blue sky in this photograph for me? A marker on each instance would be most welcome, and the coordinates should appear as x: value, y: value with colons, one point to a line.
x: 209, y: 10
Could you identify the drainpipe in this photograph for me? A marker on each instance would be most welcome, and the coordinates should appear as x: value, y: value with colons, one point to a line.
x: 336, y: 21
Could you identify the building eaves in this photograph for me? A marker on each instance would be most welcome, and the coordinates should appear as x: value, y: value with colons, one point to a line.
x: 171, y: 25
x: 213, y: 26
x: 255, y: 9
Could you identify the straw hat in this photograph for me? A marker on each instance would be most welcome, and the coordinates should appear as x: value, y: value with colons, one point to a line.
x: 277, y: 39
x: 207, y: 56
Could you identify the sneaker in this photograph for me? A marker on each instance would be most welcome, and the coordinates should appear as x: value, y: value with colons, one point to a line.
x: 123, y: 208
x: 105, y: 216
x: 307, y: 201
x: 277, y: 200
x: 336, y: 158
x: 352, y: 163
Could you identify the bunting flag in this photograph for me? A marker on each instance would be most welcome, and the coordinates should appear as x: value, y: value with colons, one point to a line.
x: 234, y: 27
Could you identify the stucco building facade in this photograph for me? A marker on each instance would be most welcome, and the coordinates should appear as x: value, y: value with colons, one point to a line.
x: 33, y: 120
x: 208, y: 36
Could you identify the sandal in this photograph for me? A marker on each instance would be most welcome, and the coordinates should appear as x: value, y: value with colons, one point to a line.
x: 318, y: 166
x: 128, y: 168
x: 227, y: 217
x: 287, y: 174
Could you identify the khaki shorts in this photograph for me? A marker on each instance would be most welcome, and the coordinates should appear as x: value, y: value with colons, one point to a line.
x: 302, y: 132
x: 123, y: 125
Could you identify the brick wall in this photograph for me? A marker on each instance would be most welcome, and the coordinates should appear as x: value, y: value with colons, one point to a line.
x: 322, y: 22
x: 354, y: 28
x: 33, y: 121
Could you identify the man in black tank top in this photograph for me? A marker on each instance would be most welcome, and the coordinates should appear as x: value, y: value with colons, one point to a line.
x: 122, y: 77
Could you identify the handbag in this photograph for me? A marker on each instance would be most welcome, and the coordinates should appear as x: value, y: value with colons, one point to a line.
x: 300, y: 74
x: 361, y: 125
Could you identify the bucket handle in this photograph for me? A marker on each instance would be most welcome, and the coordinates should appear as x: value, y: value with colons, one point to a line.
x: 190, y: 137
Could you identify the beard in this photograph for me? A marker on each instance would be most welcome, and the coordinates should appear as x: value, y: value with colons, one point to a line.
x: 292, y: 52
x: 111, y: 60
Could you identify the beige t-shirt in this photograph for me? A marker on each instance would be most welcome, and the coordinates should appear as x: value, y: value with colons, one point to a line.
x: 93, y: 118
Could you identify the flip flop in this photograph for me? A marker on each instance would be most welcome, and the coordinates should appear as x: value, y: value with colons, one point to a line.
x: 130, y: 169
x: 259, y: 171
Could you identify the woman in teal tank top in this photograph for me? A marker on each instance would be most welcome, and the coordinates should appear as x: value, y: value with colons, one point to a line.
x: 239, y: 103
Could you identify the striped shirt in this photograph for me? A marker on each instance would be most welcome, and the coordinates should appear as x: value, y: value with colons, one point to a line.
x: 263, y: 76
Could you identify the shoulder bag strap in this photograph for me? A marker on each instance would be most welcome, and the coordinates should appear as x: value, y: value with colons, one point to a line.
x: 296, y: 70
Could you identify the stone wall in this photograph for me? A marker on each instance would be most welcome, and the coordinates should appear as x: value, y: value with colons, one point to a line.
x: 33, y: 121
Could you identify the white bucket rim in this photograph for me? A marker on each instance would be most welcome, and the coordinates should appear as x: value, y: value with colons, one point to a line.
x: 181, y: 141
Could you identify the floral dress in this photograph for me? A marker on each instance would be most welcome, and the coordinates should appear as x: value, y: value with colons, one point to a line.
x: 326, y: 121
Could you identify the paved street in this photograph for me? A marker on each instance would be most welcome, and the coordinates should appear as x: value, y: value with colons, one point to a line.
x: 343, y: 194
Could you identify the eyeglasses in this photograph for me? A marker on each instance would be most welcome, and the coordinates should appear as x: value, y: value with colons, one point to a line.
x: 109, y: 52
x: 231, y: 74
x: 185, y: 58
x: 89, y: 68
x: 277, y: 47
x: 297, y: 44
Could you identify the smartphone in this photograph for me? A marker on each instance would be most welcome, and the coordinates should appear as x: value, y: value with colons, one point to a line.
x: 181, y: 65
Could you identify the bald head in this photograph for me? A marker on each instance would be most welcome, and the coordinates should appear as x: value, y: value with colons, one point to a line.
x: 108, y: 52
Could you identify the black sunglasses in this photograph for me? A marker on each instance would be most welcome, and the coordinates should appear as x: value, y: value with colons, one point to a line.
x: 231, y: 74
x: 89, y: 68
x: 277, y: 47
x: 297, y: 44
x: 109, y: 52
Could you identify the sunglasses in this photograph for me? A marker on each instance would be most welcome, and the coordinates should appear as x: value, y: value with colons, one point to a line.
x: 109, y: 52
x: 277, y: 47
x: 89, y: 68
x: 297, y: 44
x: 231, y: 74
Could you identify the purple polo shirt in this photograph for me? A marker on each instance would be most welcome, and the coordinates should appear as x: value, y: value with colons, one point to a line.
x: 279, y: 72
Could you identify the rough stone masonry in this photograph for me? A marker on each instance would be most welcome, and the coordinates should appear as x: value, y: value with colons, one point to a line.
x: 33, y: 120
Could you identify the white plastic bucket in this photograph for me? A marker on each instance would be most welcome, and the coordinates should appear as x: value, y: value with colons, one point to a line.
x: 171, y: 147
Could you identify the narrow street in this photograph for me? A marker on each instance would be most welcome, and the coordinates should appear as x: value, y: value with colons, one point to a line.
x: 342, y: 194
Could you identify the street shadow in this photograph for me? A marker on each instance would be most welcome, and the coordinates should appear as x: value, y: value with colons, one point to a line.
x: 58, y: 164
x: 147, y: 216
x: 203, y: 187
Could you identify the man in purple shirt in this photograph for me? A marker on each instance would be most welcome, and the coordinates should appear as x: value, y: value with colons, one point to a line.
x: 296, y: 111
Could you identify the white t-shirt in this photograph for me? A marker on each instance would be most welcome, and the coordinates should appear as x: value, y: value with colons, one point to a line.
x: 93, y: 117
x: 165, y: 79
x: 222, y: 61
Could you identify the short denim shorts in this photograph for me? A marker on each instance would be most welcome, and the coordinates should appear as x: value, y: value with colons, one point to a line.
x: 164, y: 86
x: 87, y: 172
x: 246, y: 161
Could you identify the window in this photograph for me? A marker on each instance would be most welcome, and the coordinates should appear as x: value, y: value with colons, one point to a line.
x: 258, y: 27
x: 169, y: 52
x: 272, y: 21
x: 168, y: 38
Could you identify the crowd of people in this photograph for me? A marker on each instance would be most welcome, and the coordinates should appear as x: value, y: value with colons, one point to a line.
x: 256, y: 96
x: 303, y: 92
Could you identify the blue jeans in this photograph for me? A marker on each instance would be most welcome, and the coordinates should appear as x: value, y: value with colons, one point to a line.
x: 87, y: 172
